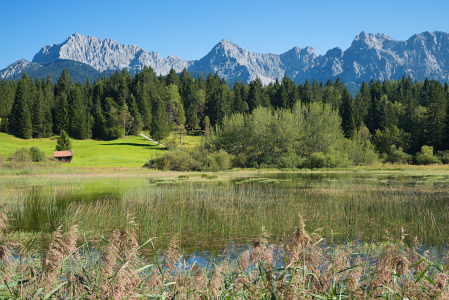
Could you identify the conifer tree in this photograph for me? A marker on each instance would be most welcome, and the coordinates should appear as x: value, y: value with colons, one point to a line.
x: 98, y: 126
x: 38, y: 112
x: 64, y: 84
x: 61, y: 117
x: 347, y: 114
x: 160, y: 127
x: 20, y: 116
x: 63, y: 142
x: 134, y: 112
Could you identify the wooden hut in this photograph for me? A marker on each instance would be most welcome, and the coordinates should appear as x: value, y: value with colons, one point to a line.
x: 64, y: 156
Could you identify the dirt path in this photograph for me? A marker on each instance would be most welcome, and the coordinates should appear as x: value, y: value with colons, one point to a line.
x: 151, y: 140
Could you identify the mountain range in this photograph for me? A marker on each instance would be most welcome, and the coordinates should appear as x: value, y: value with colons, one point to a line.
x: 370, y: 56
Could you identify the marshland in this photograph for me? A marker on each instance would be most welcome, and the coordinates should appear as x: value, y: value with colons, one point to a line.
x: 223, y: 235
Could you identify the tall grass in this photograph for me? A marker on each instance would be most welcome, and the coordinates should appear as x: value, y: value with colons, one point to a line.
x: 211, y: 215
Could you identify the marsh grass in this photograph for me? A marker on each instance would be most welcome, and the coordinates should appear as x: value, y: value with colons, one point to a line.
x: 64, y: 264
x: 209, y: 214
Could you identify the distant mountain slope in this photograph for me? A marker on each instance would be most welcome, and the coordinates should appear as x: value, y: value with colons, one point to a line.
x: 369, y: 56
x: 78, y: 71
x: 16, y: 68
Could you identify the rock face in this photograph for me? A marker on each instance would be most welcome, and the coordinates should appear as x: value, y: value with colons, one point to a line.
x: 370, y: 56
x: 15, y: 68
x: 107, y: 54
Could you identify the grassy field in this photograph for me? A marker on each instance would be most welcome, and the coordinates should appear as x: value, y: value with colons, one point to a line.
x: 128, y: 152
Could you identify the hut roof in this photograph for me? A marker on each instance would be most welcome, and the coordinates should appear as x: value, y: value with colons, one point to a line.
x: 63, y: 153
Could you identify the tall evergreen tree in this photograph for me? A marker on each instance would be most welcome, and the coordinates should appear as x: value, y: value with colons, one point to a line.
x: 160, y: 127
x: 20, y: 116
x: 61, y: 114
x: 347, y: 113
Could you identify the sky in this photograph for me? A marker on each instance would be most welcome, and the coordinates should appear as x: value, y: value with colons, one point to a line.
x: 190, y: 29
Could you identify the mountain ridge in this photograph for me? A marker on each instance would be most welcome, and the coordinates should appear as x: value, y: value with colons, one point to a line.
x: 369, y: 56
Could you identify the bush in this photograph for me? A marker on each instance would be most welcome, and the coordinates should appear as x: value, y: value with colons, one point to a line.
x: 359, y: 149
x: 443, y: 156
x: 398, y: 156
x: 37, y: 154
x: 316, y: 160
x: 21, y: 155
x: 114, y: 133
x: 290, y: 161
x: 219, y: 160
x: 426, y: 157
x: 239, y: 160
x: 174, y: 161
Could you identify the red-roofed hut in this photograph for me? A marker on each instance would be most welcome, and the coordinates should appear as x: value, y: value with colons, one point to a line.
x: 64, y: 156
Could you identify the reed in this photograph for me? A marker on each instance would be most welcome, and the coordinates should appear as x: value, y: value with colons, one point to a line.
x: 65, y: 265
x: 210, y: 214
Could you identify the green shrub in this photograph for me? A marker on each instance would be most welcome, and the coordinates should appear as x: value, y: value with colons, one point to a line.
x: 359, y: 149
x: 114, y: 132
x: 290, y: 161
x: 21, y: 155
x: 426, y: 157
x: 219, y: 160
x: 37, y: 154
x: 316, y: 160
x: 443, y: 156
x: 239, y: 160
x: 173, y: 160
x: 398, y: 156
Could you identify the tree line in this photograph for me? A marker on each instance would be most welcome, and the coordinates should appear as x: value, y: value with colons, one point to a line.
x: 394, y: 115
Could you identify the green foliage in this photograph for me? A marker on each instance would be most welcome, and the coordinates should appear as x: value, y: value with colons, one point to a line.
x: 173, y: 160
x: 219, y: 160
x: 426, y: 157
x: 398, y: 156
x: 359, y: 149
x: 239, y: 160
x: 21, y: 155
x: 316, y: 160
x: 443, y: 156
x: 276, y: 120
x: 63, y: 142
x: 36, y: 154
x: 113, y: 133
x: 161, y: 126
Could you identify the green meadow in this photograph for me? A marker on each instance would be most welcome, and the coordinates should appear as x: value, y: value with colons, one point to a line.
x: 128, y: 152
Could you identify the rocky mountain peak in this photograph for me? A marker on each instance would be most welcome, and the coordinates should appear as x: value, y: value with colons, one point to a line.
x: 15, y: 68
x: 369, y: 40
x: 370, y: 56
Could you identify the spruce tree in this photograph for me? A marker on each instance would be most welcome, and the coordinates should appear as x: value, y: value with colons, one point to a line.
x: 20, y: 116
x: 160, y: 128
x: 347, y: 114
x: 63, y: 142
x: 61, y: 117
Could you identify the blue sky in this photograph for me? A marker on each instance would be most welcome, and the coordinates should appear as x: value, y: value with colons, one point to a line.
x: 190, y: 29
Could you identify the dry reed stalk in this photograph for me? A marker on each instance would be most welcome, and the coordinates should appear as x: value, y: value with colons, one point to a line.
x: 216, y: 280
x: 119, y: 276
x: 172, y: 256
x: 354, y: 278
x: 58, y: 248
